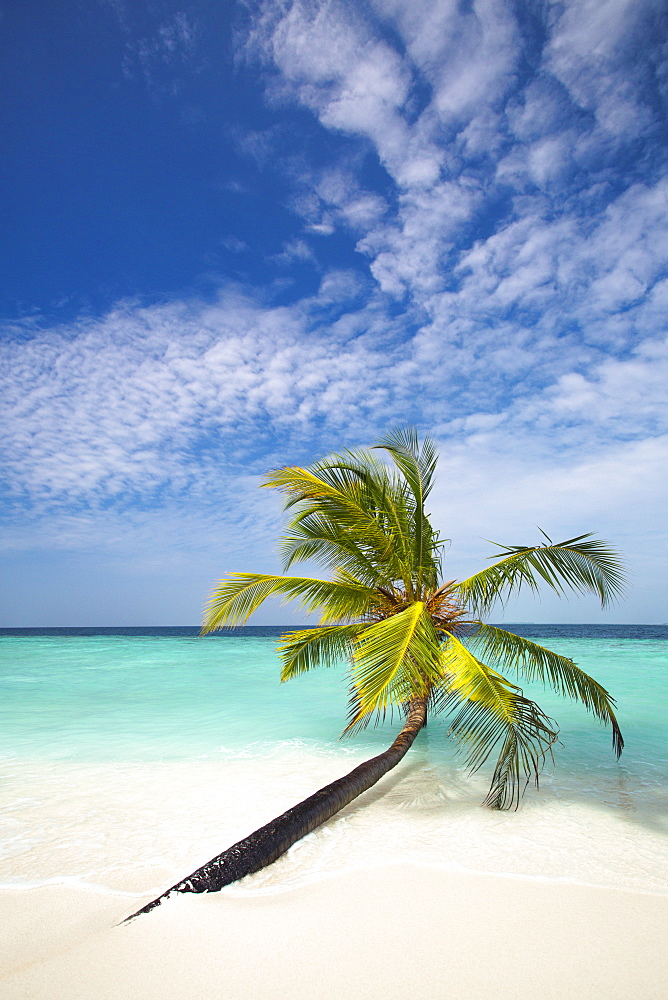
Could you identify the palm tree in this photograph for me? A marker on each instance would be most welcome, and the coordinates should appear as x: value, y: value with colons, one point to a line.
x: 414, y: 643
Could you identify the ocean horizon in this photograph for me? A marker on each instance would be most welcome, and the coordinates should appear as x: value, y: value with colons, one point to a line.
x: 634, y: 630
x: 131, y: 755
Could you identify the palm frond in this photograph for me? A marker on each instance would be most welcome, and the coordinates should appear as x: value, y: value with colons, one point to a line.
x: 317, y: 538
x: 583, y: 565
x: 417, y: 466
x: 236, y: 597
x: 535, y: 662
x: 490, y: 710
x: 332, y: 492
x: 343, y: 507
x: 394, y: 659
x: 306, y: 649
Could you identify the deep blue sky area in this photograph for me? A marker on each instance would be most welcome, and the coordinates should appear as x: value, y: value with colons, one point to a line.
x: 238, y: 235
x: 117, y: 185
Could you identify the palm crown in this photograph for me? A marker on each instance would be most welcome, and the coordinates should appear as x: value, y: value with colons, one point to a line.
x: 408, y: 635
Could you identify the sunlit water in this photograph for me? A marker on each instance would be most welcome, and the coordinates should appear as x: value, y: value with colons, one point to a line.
x: 129, y: 758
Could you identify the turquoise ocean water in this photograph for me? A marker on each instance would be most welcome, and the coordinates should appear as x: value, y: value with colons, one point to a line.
x: 128, y: 756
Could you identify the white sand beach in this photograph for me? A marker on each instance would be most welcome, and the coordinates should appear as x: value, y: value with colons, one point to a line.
x: 412, y: 888
x: 377, y: 933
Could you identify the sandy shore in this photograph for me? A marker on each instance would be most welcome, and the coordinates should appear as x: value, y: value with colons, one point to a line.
x: 382, y: 933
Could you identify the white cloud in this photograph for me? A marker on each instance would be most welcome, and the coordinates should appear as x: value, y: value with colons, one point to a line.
x: 515, y: 299
x: 295, y: 250
x: 158, y: 398
x: 332, y: 60
x: 595, y: 51
x: 469, y: 55
x: 160, y: 55
x: 190, y: 405
x: 123, y: 405
x: 500, y: 486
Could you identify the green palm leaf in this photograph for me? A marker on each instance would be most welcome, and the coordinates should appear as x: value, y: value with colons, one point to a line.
x: 345, y: 508
x: 335, y: 492
x: 418, y: 464
x: 535, y: 662
x: 306, y: 649
x: 394, y: 660
x: 235, y: 599
x: 583, y: 564
x: 488, y: 710
x: 418, y: 467
x: 314, y: 537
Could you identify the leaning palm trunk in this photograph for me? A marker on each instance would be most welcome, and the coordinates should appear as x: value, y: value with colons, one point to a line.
x: 268, y: 843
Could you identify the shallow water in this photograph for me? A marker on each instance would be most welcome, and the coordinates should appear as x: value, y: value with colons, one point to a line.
x: 129, y: 759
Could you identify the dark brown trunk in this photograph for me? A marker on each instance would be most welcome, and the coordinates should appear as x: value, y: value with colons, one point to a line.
x: 268, y: 843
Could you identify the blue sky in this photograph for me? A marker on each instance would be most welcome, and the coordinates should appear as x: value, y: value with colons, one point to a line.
x: 241, y: 235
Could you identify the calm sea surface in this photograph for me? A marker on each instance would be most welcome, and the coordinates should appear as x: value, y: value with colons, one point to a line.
x: 129, y: 756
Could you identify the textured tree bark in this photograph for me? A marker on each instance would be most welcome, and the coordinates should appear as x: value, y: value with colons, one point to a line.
x: 268, y: 843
